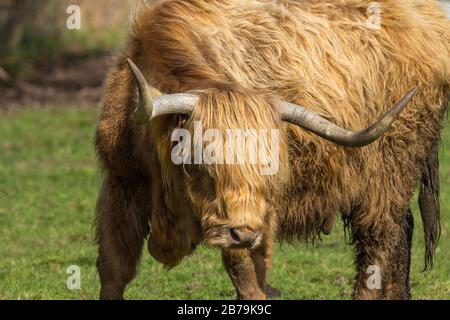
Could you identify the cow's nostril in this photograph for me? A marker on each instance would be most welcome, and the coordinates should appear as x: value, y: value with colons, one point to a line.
x: 244, y: 236
x: 235, y: 234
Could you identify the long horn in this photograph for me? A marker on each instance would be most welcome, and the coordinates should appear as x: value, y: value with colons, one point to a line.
x: 150, y: 107
x: 311, y: 121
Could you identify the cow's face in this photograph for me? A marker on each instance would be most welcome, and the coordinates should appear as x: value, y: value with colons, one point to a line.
x: 238, y: 166
x: 233, y: 212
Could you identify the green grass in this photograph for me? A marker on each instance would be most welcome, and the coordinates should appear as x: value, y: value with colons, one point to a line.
x: 48, y: 186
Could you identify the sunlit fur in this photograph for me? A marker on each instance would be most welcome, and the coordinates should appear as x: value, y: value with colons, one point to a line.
x: 241, y: 56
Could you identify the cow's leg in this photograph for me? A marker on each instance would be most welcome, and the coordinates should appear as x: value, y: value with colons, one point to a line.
x: 247, y: 277
x: 262, y: 259
x: 121, y: 227
x: 399, y: 287
x: 376, y: 243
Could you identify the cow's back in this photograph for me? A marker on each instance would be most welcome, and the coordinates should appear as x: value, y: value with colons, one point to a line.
x: 326, y: 55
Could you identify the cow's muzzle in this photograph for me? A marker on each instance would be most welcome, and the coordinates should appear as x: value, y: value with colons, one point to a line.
x: 244, y: 238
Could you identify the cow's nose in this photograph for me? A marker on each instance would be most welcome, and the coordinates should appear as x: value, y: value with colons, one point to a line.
x: 245, y: 237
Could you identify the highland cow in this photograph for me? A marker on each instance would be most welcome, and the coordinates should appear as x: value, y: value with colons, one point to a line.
x: 359, y: 110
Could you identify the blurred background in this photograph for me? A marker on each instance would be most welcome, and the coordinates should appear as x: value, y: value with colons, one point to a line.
x: 42, y: 62
x: 50, y: 87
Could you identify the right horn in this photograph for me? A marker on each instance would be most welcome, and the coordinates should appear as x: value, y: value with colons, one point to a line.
x: 311, y: 121
x: 150, y: 107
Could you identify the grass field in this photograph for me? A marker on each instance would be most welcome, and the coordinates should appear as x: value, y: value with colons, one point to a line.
x: 48, y: 186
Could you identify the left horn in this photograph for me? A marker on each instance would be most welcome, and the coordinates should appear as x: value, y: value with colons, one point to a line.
x: 150, y: 107
x: 311, y: 121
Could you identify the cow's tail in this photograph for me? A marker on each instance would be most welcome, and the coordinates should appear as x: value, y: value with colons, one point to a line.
x: 430, y: 206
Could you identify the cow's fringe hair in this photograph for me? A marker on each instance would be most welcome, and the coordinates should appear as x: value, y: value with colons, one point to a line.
x: 227, y: 191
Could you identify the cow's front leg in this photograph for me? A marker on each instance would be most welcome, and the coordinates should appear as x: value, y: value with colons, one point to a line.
x: 243, y: 273
x: 121, y: 227
x: 262, y: 259
x: 248, y: 271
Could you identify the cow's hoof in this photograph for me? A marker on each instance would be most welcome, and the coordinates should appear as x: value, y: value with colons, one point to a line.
x: 271, y: 292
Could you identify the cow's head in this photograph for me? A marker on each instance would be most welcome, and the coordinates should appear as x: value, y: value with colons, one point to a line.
x: 242, y: 165
x: 232, y: 202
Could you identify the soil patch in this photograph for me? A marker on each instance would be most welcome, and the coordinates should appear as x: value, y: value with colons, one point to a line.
x: 72, y: 80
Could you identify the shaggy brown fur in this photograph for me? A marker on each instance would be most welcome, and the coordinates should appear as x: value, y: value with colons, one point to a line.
x: 239, y: 56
